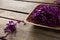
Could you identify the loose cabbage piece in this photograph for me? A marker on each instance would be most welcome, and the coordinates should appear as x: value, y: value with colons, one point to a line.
x: 48, y: 15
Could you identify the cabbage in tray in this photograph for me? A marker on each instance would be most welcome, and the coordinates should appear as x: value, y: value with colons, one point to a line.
x: 48, y: 15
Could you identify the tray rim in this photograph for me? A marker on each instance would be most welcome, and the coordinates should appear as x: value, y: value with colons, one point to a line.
x: 55, y: 28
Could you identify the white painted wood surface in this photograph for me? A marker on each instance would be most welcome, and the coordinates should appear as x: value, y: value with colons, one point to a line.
x: 27, y: 32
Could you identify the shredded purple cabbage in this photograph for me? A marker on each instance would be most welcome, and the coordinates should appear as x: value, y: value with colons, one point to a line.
x: 48, y: 15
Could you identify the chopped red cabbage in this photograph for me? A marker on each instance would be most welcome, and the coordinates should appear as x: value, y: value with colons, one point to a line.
x: 48, y: 15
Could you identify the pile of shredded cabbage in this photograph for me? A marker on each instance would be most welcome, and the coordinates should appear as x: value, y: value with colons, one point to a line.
x: 48, y: 15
